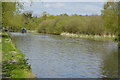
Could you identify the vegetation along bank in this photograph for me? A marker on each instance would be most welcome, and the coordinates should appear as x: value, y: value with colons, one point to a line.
x: 105, y: 24
x: 14, y: 64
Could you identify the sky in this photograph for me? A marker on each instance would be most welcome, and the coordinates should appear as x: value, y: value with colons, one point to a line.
x: 56, y: 8
x: 60, y: 0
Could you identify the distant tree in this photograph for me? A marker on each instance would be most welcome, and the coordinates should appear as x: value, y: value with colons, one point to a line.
x: 86, y: 15
x: 51, y: 17
x: 28, y: 14
x: 27, y: 19
x: 65, y: 14
x: 45, y: 15
x: 75, y: 15
x: 80, y: 15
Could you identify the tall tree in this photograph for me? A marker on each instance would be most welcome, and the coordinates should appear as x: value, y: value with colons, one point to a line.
x: 8, y: 9
x: 10, y: 12
x: 110, y: 17
x: 0, y: 15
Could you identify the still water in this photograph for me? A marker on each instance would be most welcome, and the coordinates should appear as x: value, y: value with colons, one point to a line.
x: 55, y: 56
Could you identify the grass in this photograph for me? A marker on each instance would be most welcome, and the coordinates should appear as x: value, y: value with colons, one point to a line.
x: 13, y: 63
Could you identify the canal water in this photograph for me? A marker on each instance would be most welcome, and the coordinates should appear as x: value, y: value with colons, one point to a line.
x: 55, y: 56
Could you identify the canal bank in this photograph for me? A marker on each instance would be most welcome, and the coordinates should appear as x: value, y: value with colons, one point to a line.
x: 94, y: 37
x: 14, y: 64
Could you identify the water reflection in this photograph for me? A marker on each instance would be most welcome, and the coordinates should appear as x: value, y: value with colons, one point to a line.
x: 110, y: 65
x: 54, y: 56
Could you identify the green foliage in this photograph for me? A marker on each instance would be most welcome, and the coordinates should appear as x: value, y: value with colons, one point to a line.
x: 73, y: 24
x: 13, y: 63
x: 8, y: 9
x: 110, y: 17
x: 10, y: 17
x: 27, y: 19
x: 104, y: 24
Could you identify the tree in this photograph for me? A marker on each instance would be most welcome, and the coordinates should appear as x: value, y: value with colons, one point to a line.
x: 45, y: 15
x: 8, y: 9
x: 28, y: 14
x: 110, y: 17
x: 10, y: 17
x: 0, y: 15
x: 27, y: 17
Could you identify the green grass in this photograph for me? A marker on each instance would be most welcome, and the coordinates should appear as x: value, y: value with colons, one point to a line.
x: 13, y: 63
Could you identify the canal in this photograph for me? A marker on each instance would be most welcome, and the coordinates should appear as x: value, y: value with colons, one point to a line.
x: 55, y: 56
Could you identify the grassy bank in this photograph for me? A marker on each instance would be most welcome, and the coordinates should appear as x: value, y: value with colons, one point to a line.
x: 13, y: 63
x: 95, y: 37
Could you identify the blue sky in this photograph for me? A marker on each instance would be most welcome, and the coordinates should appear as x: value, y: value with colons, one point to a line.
x: 56, y: 8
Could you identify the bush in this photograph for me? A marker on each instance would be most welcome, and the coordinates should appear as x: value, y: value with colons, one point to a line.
x: 73, y: 24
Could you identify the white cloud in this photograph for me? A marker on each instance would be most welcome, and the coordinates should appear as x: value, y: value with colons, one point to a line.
x: 27, y: 4
x: 59, y: 4
x: 57, y: 8
x: 52, y: 5
x: 92, y: 8
x: 47, y: 5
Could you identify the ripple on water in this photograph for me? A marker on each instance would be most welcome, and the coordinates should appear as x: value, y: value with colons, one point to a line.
x: 54, y: 56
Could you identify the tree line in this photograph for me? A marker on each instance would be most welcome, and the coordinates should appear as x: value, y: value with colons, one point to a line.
x: 104, y: 24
